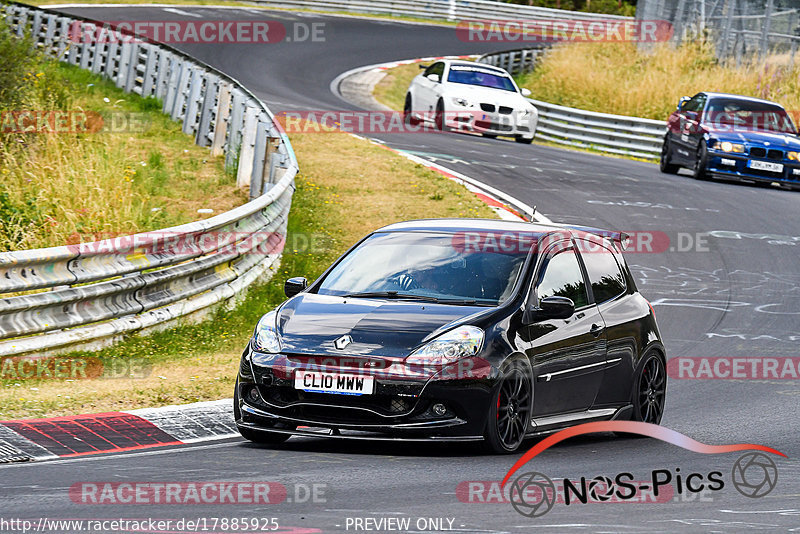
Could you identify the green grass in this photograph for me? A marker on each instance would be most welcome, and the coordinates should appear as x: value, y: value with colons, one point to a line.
x: 139, y: 173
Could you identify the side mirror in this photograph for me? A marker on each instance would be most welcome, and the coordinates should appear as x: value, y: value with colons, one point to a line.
x: 295, y: 285
x: 434, y: 78
x: 525, y: 92
x: 683, y: 100
x: 422, y: 66
x: 551, y: 308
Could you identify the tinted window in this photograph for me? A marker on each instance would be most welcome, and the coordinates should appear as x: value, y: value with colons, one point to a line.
x: 749, y: 115
x: 477, y: 76
x: 696, y: 103
x: 436, y: 68
x: 563, y: 278
x: 604, y: 274
x: 428, y: 265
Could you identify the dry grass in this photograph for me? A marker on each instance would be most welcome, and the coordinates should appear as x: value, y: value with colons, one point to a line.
x: 347, y: 188
x: 391, y: 90
x: 617, y: 78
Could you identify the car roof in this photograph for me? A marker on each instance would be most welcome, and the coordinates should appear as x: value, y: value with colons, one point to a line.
x: 740, y: 97
x: 472, y: 225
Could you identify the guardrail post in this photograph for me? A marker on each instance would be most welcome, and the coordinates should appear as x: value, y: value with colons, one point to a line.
x: 162, y: 73
x: 148, y: 79
x: 235, y: 129
x: 133, y: 68
x: 124, y: 63
x: 207, y: 111
x: 259, y: 154
x: 246, y: 150
x: 173, y: 85
x: 221, y: 119
x: 193, y: 102
x: 181, y: 94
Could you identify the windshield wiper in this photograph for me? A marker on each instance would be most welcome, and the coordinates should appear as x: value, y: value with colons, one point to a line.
x: 407, y: 296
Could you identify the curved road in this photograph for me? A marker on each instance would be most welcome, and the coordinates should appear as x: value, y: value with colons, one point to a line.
x: 728, y: 284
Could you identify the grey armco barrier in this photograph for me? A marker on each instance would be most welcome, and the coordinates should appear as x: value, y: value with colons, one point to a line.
x: 443, y: 9
x: 97, y: 291
x: 617, y: 134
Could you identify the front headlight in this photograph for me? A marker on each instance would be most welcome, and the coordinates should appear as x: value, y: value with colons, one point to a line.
x: 794, y: 156
x: 727, y: 146
x: 461, y: 102
x: 461, y: 342
x: 266, y: 335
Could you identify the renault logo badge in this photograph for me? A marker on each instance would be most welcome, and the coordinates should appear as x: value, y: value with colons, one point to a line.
x: 342, y: 342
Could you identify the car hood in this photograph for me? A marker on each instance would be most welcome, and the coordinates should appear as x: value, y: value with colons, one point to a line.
x: 310, y: 323
x: 477, y: 94
x: 758, y: 138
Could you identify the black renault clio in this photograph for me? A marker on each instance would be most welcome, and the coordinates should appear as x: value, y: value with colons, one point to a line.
x: 456, y: 330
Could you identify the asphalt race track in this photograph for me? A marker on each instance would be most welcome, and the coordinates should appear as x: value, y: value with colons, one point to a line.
x: 733, y: 294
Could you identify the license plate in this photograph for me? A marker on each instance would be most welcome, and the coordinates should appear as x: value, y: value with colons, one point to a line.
x: 340, y: 384
x: 766, y: 166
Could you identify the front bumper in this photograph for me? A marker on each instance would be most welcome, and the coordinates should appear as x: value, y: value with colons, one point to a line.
x: 728, y: 166
x: 492, y: 123
x: 400, y: 407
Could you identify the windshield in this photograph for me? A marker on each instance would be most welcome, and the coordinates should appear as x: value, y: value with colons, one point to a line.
x: 428, y: 265
x: 743, y: 115
x: 477, y: 76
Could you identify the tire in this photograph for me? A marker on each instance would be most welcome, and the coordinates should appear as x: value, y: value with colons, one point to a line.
x: 407, y: 108
x: 640, y: 395
x: 523, y: 140
x: 256, y: 436
x: 650, y: 390
x: 665, y: 163
x: 511, y: 408
x: 439, y: 117
x: 699, y: 171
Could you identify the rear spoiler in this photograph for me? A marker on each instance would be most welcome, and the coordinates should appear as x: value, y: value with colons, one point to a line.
x: 621, y: 240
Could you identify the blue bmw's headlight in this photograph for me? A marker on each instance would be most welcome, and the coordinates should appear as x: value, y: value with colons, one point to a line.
x: 727, y: 146
x: 266, y: 335
x: 460, y: 342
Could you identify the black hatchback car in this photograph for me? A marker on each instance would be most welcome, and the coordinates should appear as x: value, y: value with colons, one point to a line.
x: 456, y: 330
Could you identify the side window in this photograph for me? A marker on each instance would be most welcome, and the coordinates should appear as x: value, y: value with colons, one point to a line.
x: 563, y: 278
x: 436, y: 68
x: 604, y: 273
x: 696, y: 103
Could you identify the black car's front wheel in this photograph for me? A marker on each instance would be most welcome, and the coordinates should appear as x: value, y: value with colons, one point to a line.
x: 665, y: 163
x: 512, y: 405
x: 256, y: 436
x: 701, y: 161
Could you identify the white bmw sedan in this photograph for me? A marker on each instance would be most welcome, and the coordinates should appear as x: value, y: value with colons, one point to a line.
x: 472, y: 97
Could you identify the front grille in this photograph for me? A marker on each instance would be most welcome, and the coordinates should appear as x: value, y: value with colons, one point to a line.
x: 487, y: 107
x: 505, y: 110
x: 758, y: 152
x: 775, y: 154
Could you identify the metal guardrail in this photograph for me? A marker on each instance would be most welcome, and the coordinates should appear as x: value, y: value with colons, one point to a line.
x: 100, y: 290
x: 616, y: 134
x: 443, y: 9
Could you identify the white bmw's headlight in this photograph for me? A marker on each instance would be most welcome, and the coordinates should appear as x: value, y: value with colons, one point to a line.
x: 461, y: 102
x: 266, y: 336
x: 461, y: 342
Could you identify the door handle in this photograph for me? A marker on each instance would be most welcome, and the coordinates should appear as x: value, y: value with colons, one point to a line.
x: 597, y: 330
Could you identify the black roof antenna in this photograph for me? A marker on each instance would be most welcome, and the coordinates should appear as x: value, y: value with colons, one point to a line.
x: 533, y: 215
